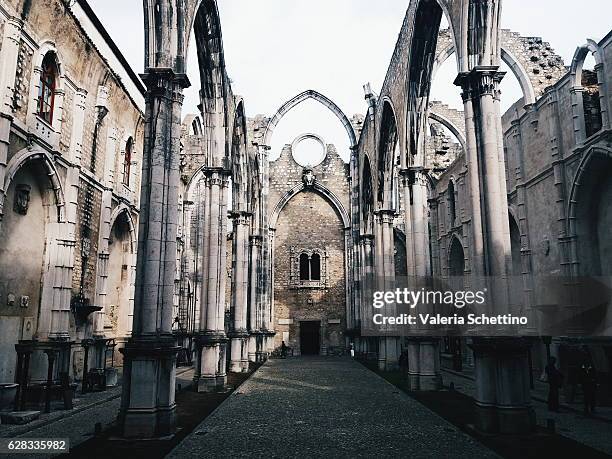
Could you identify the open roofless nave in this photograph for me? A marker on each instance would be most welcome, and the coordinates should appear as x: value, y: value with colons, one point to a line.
x: 136, y: 242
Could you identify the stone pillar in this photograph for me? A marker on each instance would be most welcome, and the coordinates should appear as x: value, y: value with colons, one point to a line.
x: 210, y: 374
x: 391, y: 343
x: 9, y: 53
x: 368, y: 279
x: 503, y: 401
x: 148, y: 408
x: 240, y: 293
x: 268, y: 314
x: 603, y: 95
x: 255, y: 303
x: 502, y: 385
x: 378, y: 281
x: 423, y: 351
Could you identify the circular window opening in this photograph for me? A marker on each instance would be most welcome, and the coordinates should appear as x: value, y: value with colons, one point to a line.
x: 309, y: 151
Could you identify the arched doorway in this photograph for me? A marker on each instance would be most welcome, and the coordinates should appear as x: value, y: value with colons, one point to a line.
x: 28, y: 208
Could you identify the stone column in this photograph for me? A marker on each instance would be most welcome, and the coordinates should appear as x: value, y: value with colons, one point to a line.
x: 240, y: 282
x: 603, y: 95
x: 210, y: 374
x: 9, y: 53
x: 378, y: 281
x: 368, y: 280
x: 255, y: 303
x: 391, y: 343
x: 269, y: 306
x: 148, y: 408
x: 423, y: 351
x: 502, y: 402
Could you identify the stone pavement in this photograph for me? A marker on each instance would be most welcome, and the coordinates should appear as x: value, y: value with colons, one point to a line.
x: 324, y: 407
x: 79, y: 424
x: 593, y: 432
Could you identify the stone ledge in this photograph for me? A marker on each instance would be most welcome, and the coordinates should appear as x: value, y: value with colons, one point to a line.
x: 19, y: 417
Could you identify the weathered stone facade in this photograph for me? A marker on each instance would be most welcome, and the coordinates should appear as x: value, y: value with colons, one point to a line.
x: 62, y: 189
x: 237, y: 253
x: 308, y: 222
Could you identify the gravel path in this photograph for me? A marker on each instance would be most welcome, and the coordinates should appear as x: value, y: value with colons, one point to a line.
x: 324, y: 407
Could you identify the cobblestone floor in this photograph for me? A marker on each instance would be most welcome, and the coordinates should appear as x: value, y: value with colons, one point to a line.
x: 324, y: 407
x: 79, y: 425
x: 589, y: 431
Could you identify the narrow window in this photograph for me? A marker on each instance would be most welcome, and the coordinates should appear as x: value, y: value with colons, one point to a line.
x: 127, y: 161
x: 46, y: 90
x: 452, y: 208
x: 591, y: 102
x: 304, y: 267
x: 315, y: 267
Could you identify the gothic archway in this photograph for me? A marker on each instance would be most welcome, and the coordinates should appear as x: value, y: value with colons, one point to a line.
x: 323, y: 100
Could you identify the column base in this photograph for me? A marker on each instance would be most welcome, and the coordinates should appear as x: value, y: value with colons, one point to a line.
x: 210, y: 375
x: 503, y: 396
x: 424, y: 364
x: 430, y: 382
x: 208, y: 384
x: 504, y: 420
x: 148, y: 409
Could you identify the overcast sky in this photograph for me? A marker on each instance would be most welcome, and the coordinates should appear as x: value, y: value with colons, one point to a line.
x: 275, y: 49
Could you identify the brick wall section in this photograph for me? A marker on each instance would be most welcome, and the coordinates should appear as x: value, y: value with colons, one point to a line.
x: 309, y: 221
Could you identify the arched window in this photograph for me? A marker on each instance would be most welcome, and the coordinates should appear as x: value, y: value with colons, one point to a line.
x: 304, y: 267
x: 308, y: 268
x: 46, y: 90
x: 315, y: 267
x: 452, y: 206
x: 127, y: 161
x: 196, y: 126
x: 590, y: 97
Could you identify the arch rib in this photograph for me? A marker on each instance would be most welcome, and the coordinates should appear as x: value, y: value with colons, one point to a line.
x: 323, y: 100
x: 327, y: 194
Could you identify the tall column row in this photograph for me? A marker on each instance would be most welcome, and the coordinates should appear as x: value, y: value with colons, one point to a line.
x: 503, y: 401
x: 148, y: 407
x: 210, y: 374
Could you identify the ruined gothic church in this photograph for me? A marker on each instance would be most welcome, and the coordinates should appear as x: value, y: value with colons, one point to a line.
x: 133, y: 238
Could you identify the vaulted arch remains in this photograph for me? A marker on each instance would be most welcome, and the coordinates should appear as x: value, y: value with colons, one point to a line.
x: 387, y: 153
x: 309, y: 95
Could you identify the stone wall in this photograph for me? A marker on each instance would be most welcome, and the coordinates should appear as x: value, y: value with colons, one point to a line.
x: 309, y: 222
x: 75, y: 168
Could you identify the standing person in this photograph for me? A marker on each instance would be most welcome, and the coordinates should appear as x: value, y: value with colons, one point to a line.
x: 589, y: 388
x: 351, y: 350
x: 283, y: 350
x: 555, y: 382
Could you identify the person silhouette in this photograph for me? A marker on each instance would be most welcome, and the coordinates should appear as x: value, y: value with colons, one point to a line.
x: 555, y: 382
x: 283, y: 350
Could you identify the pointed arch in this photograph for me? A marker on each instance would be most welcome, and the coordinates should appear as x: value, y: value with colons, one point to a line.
x: 123, y: 209
x: 320, y: 189
x: 437, y: 117
x: 582, y: 52
x: 367, y: 192
x: 387, y: 145
x: 456, y: 257
x: 323, y: 100
x: 238, y: 161
x: 590, y: 161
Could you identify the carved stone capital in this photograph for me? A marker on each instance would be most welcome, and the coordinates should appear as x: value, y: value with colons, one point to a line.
x: 256, y: 240
x: 479, y: 82
x: 164, y: 82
